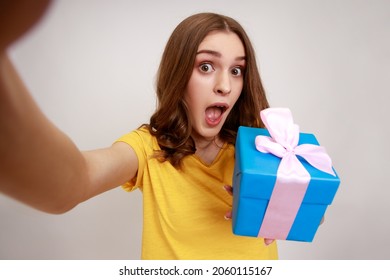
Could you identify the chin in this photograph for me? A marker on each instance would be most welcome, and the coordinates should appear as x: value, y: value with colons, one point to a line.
x: 210, y: 132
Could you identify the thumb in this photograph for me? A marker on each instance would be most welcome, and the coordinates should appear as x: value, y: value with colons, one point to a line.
x: 268, y: 241
x: 17, y: 17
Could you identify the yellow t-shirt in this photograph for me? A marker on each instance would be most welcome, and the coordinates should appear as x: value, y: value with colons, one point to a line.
x: 184, y: 209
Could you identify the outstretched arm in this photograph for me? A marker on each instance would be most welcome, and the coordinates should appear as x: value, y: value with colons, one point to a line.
x: 39, y: 164
x: 33, y: 160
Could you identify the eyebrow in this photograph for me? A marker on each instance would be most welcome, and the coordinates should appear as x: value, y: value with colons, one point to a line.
x: 218, y: 54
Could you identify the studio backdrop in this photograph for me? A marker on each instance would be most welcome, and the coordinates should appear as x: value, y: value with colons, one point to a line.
x: 91, y: 67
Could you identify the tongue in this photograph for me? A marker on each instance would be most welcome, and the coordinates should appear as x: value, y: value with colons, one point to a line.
x: 213, y: 113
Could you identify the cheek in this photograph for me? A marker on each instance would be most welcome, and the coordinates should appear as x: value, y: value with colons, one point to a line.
x: 192, y: 97
x: 196, y: 90
x: 240, y: 85
x: 189, y: 91
x: 198, y: 83
x: 237, y: 91
x: 192, y: 86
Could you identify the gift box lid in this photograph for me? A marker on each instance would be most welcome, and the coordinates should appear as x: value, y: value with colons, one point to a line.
x: 251, y: 163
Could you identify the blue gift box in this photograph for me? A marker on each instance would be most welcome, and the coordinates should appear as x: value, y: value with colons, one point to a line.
x: 254, y: 179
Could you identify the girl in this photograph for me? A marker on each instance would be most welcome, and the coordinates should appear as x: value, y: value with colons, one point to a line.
x: 208, y: 85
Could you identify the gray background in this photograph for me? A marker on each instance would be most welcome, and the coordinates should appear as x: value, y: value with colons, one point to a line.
x: 91, y: 66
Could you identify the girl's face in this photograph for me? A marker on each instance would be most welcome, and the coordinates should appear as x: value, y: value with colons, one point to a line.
x: 216, y: 83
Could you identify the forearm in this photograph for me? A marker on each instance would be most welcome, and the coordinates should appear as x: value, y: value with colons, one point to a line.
x: 39, y: 165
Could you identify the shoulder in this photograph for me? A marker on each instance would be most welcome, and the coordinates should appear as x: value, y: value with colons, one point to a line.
x: 140, y: 134
x: 140, y: 139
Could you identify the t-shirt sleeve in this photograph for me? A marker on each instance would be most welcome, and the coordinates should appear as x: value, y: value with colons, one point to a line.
x: 137, y: 141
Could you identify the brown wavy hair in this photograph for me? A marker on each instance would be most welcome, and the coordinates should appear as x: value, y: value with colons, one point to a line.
x: 170, y: 123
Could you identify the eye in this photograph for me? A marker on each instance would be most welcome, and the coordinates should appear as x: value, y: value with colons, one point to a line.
x: 237, y: 71
x: 206, y: 67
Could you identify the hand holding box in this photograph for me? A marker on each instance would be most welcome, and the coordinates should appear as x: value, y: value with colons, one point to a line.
x: 282, y: 184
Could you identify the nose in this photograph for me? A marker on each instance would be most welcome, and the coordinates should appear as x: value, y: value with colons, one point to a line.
x: 222, y: 85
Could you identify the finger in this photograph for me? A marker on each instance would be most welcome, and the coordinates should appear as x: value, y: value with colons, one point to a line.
x: 268, y: 241
x: 229, y: 189
x: 228, y: 215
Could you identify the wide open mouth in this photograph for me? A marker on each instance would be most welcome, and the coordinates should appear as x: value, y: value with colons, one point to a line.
x: 214, y: 113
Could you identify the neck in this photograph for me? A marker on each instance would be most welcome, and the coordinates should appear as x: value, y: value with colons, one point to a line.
x: 207, y: 149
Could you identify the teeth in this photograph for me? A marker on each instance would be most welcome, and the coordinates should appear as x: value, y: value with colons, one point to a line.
x: 223, y: 108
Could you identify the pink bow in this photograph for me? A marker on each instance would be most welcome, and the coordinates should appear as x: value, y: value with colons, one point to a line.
x: 292, y: 178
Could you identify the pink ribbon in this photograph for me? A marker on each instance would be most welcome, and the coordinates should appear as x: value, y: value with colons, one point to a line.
x: 292, y: 178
